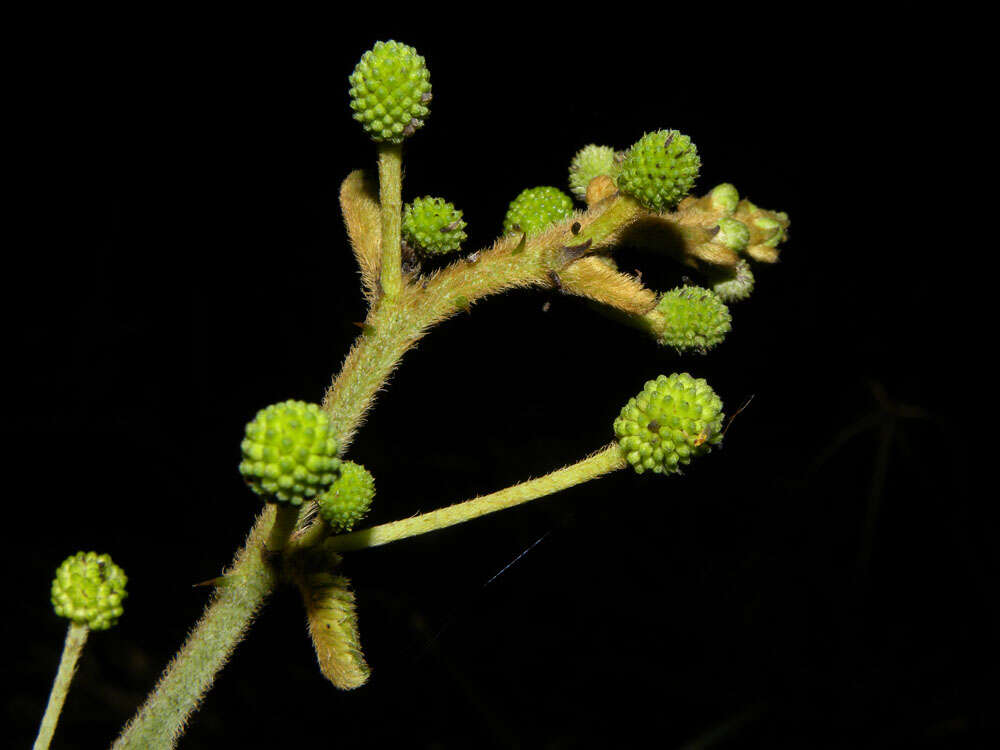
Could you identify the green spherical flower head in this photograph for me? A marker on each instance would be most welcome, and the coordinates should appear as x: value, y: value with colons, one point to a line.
x: 693, y: 319
x: 348, y: 498
x: 660, y: 169
x: 724, y: 198
x: 735, y: 286
x: 670, y: 422
x: 89, y: 589
x: 290, y: 453
x: 390, y: 91
x: 590, y: 162
x: 433, y: 226
x: 535, y: 209
x: 733, y: 234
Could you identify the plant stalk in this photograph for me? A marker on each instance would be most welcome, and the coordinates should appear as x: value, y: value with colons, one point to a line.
x: 390, y: 187
x: 76, y: 637
x: 604, y: 461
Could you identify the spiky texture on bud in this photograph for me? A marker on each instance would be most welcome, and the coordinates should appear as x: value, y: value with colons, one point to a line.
x: 692, y: 318
x: 590, y: 162
x: 390, y: 91
x: 433, y: 226
x: 349, y: 497
x: 536, y: 209
x: 290, y: 452
x: 660, y: 169
x: 89, y: 589
x: 733, y: 234
x: 733, y: 284
x: 670, y: 422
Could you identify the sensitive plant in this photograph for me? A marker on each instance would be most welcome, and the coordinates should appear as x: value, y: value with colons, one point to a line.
x: 414, y: 275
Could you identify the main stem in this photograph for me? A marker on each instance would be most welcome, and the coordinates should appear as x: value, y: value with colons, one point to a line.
x: 390, y: 178
x: 76, y: 636
x: 607, y: 460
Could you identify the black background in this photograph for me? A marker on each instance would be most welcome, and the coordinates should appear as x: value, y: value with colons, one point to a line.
x: 820, y: 582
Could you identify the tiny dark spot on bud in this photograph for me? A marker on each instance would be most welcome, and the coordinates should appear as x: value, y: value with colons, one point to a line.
x: 575, y: 229
x: 426, y: 97
x: 654, y: 426
x: 452, y: 227
x: 714, y: 230
x: 556, y: 281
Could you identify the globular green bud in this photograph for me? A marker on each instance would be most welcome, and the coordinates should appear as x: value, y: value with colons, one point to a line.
x: 433, y: 226
x: 89, y: 589
x: 736, y: 285
x: 724, y: 198
x: 348, y: 498
x: 777, y: 231
x: 693, y: 318
x: 290, y: 452
x: 733, y: 234
x: 660, y: 169
x: 390, y: 91
x: 590, y: 162
x: 536, y: 209
x: 670, y: 422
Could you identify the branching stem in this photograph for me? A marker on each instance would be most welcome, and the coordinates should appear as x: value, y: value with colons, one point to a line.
x: 76, y: 637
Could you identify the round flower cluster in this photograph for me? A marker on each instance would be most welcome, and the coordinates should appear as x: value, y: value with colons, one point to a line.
x: 433, y: 226
x: 670, y: 422
x: 289, y: 453
x: 693, y: 318
x: 660, y: 169
x: 88, y: 589
x: 390, y: 91
x: 536, y: 209
x: 348, y: 498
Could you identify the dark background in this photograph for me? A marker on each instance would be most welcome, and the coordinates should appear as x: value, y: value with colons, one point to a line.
x: 820, y: 582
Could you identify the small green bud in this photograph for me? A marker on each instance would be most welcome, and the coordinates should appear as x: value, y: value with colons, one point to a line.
x: 433, y: 226
x: 590, y: 162
x: 736, y: 285
x: 348, y: 498
x: 724, y: 198
x: 733, y: 234
x: 774, y: 227
x: 660, y: 169
x: 89, y: 589
x: 390, y: 91
x: 670, y: 422
x: 535, y: 209
x: 693, y: 319
x: 290, y: 452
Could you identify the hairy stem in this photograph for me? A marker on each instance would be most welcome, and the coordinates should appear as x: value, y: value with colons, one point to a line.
x: 394, y: 325
x: 607, y: 460
x: 235, y: 602
x: 76, y: 636
x: 390, y: 178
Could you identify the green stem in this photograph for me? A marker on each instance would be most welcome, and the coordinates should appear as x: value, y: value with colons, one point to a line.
x: 607, y: 460
x: 284, y: 524
x: 390, y: 179
x: 234, y: 604
x: 76, y: 636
